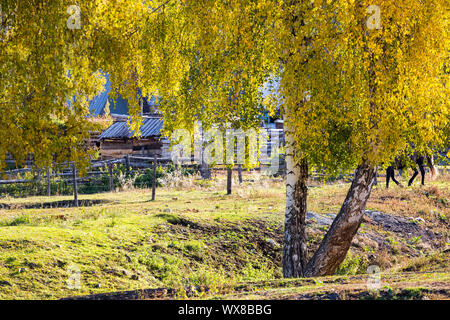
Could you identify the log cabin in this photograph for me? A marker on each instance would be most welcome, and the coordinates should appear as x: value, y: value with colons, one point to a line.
x: 118, y: 140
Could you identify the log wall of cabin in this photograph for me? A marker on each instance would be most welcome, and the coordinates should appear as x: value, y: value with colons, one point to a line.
x: 118, y: 148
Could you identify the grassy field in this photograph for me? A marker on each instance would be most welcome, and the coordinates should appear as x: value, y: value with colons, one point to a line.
x: 197, y: 242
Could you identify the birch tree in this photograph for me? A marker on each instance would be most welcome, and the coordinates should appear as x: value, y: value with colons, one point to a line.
x: 376, y: 81
x: 360, y: 82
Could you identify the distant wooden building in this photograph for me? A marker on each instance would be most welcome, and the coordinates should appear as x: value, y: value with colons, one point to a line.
x: 118, y: 141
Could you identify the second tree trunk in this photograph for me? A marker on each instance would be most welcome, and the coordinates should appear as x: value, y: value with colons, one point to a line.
x: 337, y: 241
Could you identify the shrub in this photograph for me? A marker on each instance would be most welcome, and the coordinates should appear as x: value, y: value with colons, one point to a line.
x: 145, y: 179
x: 16, y: 221
x: 353, y: 265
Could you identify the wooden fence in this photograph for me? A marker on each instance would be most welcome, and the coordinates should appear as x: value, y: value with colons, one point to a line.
x: 68, y: 173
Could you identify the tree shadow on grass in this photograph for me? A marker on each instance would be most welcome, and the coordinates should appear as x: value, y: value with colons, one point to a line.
x: 53, y: 204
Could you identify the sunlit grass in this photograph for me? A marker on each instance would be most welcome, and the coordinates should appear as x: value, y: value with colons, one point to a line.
x: 186, y: 237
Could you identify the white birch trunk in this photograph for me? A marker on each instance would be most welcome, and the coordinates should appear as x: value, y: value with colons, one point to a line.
x: 434, y: 172
x: 294, y: 248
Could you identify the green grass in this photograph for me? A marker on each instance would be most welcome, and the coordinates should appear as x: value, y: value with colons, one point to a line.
x: 197, y: 237
x: 132, y: 243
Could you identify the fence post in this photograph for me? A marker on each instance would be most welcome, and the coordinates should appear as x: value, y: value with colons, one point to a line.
x: 229, y: 176
x: 127, y: 162
x: 111, y: 180
x: 75, y: 186
x: 154, y: 179
x: 49, y: 191
x: 240, y: 173
x: 205, y: 170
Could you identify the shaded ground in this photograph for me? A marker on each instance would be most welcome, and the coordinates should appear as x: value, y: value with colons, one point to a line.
x: 52, y: 204
x: 400, y: 286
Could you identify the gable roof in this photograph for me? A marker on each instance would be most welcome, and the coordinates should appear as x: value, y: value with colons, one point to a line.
x: 120, y: 130
x: 98, y: 104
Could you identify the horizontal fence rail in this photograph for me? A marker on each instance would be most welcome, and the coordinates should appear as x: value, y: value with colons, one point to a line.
x: 102, y: 175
